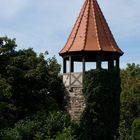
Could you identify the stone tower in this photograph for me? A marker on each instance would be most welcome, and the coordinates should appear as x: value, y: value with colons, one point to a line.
x: 90, y: 41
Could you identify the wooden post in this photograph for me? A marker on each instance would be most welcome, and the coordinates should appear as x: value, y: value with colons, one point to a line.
x: 118, y: 66
x: 84, y: 66
x: 71, y: 64
x: 64, y: 65
x: 70, y: 61
x: 99, y: 63
x: 84, y: 69
x: 110, y: 64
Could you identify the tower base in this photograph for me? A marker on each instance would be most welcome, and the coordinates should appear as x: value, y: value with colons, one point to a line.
x: 75, y: 102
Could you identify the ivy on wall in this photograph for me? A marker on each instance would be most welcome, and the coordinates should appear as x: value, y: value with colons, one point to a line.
x: 100, y: 120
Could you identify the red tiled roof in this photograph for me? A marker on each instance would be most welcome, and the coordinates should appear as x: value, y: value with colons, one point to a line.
x: 91, y: 32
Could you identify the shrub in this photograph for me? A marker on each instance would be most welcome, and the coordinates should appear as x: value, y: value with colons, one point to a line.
x: 136, y: 129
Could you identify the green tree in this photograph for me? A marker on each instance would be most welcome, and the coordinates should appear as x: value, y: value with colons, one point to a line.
x: 130, y: 99
x: 28, y: 83
x: 42, y: 126
x: 5, y: 106
x: 136, y: 129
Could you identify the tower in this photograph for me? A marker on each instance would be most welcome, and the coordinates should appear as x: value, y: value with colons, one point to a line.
x: 90, y: 41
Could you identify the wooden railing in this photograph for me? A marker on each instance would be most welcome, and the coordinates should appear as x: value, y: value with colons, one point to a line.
x: 73, y: 79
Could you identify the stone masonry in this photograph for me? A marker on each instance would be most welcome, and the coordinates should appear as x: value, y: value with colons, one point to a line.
x: 75, y: 102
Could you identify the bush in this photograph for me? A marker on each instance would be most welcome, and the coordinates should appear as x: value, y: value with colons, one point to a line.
x: 23, y: 130
x: 136, y: 129
x: 66, y: 134
x: 42, y: 126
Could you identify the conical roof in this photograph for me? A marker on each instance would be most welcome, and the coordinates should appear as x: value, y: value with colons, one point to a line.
x: 91, y: 32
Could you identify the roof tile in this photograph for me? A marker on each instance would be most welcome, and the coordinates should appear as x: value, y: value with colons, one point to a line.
x: 91, y: 32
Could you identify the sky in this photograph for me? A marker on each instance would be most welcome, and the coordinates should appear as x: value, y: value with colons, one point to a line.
x: 46, y: 24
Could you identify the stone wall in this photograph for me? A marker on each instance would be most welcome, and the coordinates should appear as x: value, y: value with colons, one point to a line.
x: 75, y: 102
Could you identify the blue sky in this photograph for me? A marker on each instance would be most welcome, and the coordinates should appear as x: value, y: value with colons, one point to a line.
x: 46, y: 24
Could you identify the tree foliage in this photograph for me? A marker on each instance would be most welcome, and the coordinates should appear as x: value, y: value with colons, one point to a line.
x: 136, y: 129
x: 28, y: 83
x: 130, y: 99
x: 42, y: 126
